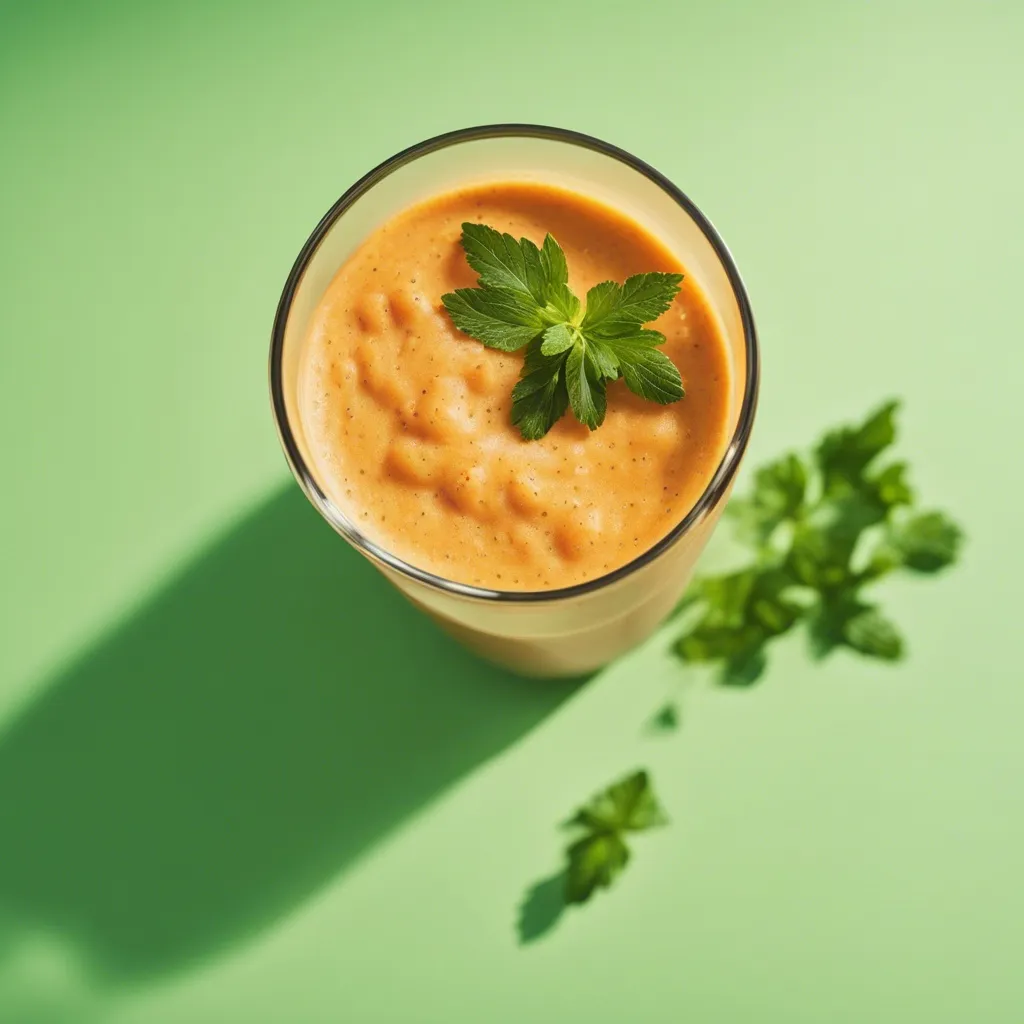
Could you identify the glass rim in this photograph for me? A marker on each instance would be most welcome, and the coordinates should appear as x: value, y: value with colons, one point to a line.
x: 727, y: 466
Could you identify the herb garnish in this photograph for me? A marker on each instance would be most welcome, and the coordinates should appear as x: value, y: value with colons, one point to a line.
x: 524, y: 301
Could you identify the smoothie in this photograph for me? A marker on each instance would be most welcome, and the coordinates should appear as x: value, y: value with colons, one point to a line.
x: 408, y: 419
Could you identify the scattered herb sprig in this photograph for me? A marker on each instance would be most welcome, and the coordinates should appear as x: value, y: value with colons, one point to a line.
x: 596, y: 857
x: 824, y: 532
x: 523, y: 300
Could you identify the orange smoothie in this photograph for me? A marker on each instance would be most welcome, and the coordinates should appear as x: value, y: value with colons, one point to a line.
x: 408, y: 418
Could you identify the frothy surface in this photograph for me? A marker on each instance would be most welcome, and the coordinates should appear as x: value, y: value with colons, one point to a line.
x: 409, y: 423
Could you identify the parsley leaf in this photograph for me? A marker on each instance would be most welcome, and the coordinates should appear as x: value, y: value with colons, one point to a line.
x: 726, y: 597
x: 594, y: 862
x: 889, y: 488
x: 613, y: 310
x: 871, y: 633
x: 502, y: 262
x: 629, y: 804
x: 647, y: 371
x: 709, y: 643
x: 827, y: 624
x: 666, y: 719
x: 558, y: 338
x: 742, y: 612
x: 925, y: 543
x: 499, y: 317
x: 598, y: 857
x: 586, y: 389
x: 779, y: 491
x: 524, y: 301
x: 553, y: 265
x: 540, y: 397
x: 843, y: 455
x: 819, y: 557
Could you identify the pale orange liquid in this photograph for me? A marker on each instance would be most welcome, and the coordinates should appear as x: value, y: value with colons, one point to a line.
x: 408, y: 418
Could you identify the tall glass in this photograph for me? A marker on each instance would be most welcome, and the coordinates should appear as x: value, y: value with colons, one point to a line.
x: 574, y: 629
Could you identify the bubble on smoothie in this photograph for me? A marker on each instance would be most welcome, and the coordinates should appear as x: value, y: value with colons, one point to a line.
x: 409, y: 309
x: 371, y: 311
x: 375, y: 360
x: 577, y: 532
x: 413, y: 461
x: 527, y: 495
x: 467, y: 489
x: 442, y: 411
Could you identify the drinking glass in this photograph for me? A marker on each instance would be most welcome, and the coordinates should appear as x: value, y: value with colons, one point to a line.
x: 574, y: 629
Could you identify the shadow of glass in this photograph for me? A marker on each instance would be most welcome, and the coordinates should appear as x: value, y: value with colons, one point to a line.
x: 259, y: 723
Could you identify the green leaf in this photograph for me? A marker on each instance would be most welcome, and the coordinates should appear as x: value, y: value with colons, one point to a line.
x: 628, y: 805
x: 497, y: 317
x: 586, y: 389
x: 649, y: 373
x: 842, y: 520
x: 646, y: 371
x: 602, y: 360
x: 743, y: 611
x: 535, y: 278
x: 820, y: 557
x: 774, y: 614
x: 778, y: 494
x: 502, y: 262
x: 711, y: 643
x: 537, y: 370
x: 558, y: 338
x: 564, y: 303
x: 779, y: 487
x: 637, y: 339
x: 537, y: 414
x: 601, y: 300
x: 745, y: 669
x: 844, y: 454
x: 871, y: 633
x: 927, y: 543
x: 595, y: 861
x: 643, y: 297
x: 666, y: 719
x: 858, y: 505
x: 726, y: 598
x: 553, y: 265
x: 830, y: 624
x: 540, y: 397
x: 890, y: 488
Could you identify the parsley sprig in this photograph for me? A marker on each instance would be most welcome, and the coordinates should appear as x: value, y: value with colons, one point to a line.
x: 823, y: 533
x: 597, y: 857
x: 523, y: 300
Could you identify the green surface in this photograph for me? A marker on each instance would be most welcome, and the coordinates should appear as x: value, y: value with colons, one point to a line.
x: 241, y: 782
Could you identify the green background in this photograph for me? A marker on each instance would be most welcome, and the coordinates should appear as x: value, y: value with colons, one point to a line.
x: 240, y: 781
